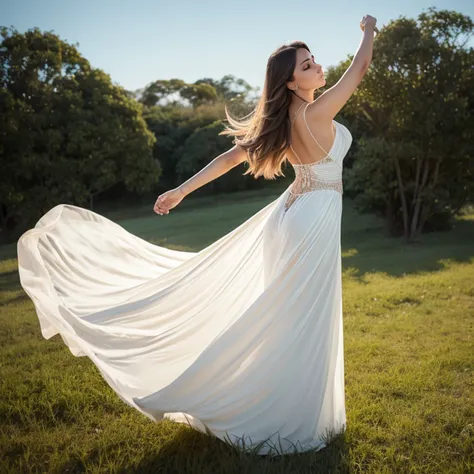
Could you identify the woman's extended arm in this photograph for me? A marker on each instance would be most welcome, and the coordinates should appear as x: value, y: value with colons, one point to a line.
x: 216, y: 168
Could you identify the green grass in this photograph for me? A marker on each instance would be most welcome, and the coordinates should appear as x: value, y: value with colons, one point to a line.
x: 408, y: 345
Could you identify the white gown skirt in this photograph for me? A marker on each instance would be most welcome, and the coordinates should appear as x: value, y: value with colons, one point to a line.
x: 243, y: 338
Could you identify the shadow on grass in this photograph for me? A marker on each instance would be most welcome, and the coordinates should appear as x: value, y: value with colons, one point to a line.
x: 190, y: 451
x: 365, y: 249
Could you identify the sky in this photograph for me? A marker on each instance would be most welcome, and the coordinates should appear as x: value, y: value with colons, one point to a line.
x: 140, y: 41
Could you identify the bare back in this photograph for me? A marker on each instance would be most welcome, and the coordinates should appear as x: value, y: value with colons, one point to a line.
x: 311, y: 140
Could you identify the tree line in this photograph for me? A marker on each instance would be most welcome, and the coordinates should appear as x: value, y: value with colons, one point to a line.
x: 70, y: 135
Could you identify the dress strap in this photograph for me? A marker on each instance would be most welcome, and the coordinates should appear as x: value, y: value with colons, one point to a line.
x: 296, y: 154
x: 304, y: 116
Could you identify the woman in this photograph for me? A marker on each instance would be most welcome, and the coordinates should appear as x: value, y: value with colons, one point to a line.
x: 244, y: 338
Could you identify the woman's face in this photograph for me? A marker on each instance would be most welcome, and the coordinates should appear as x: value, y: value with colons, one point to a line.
x: 308, y: 74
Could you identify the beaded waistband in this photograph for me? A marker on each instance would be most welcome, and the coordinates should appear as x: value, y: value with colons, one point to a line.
x: 305, y: 186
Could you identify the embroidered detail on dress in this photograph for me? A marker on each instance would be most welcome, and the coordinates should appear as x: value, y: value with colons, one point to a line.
x: 305, y: 185
x: 327, y: 159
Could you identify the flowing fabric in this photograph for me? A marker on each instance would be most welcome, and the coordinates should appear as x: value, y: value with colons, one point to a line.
x: 243, y: 338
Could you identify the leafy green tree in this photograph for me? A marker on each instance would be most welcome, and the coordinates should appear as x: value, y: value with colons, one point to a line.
x: 67, y: 132
x: 229, y: 88
x: 199, y: 94
x: 414, y: 110
x: 161, y: 89
x: 171, y: 127
x: 204, y: 91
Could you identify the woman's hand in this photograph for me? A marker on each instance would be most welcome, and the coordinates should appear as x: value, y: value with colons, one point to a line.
x: 368, y: 20
x: 168, y: 200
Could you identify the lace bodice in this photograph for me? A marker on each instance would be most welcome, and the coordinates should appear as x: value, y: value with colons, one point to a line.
x: 325, y: 173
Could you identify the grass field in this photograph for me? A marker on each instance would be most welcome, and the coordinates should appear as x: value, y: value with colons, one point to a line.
x: 408, y: 345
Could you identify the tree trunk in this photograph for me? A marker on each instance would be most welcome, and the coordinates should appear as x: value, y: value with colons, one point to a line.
x: 418, y: 201
x: 402, y: 199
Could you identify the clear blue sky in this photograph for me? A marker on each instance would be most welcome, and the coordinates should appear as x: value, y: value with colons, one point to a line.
x: 140, y: 41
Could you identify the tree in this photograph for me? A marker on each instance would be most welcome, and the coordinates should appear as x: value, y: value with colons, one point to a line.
x: 199, y: 94
x: 414, y: 163
x: 67, y: 133
x: 159, y: 90
x: 229, y: 88
x: 204, y: 91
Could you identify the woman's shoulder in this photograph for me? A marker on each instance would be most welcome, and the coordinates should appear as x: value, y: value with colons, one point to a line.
x: 317, y: 115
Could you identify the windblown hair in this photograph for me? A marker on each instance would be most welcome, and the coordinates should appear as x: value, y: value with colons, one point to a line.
x: 266, y: 131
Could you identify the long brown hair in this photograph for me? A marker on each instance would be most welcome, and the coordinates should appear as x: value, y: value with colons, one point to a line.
x: 267, y: 132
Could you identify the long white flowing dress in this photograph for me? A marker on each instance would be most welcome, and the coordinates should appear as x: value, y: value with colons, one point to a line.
x: 243, y: 338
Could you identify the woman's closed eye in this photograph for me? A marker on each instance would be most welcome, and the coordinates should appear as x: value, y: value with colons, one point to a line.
x: 305, y: 69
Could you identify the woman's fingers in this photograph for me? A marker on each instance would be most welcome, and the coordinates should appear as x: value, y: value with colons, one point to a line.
x: 160, y: 207
x: 163, y: 206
